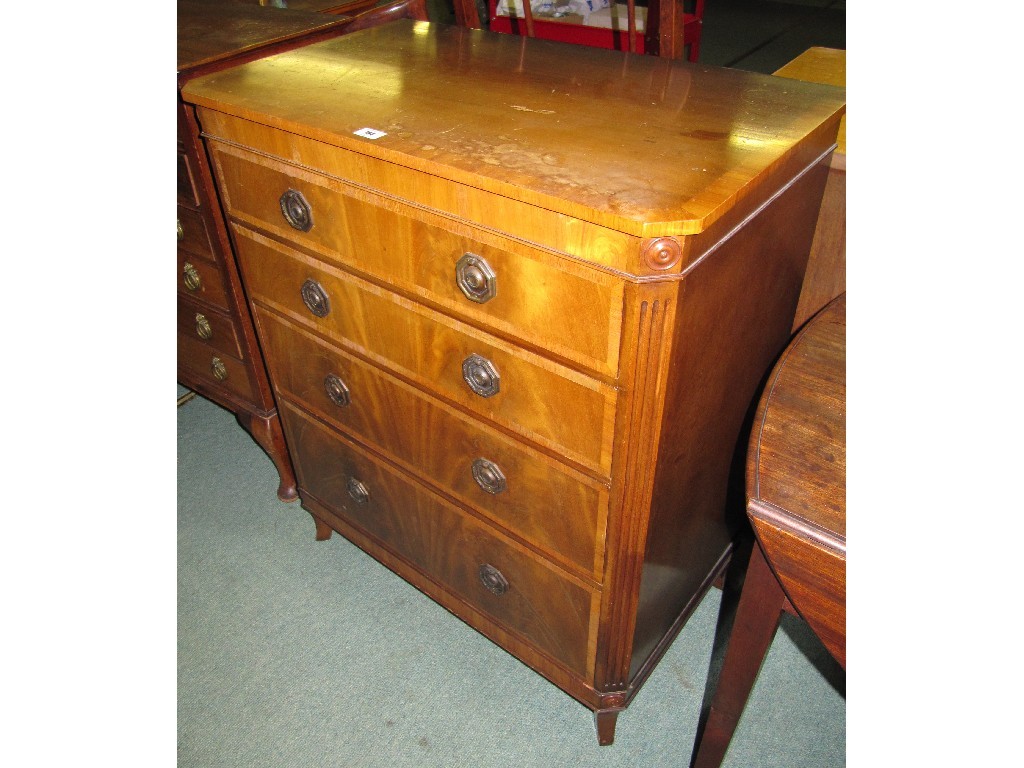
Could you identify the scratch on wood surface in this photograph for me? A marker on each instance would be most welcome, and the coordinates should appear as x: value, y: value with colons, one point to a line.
x: 527, y: 109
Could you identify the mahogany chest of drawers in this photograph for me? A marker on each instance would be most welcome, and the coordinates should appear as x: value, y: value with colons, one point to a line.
x: 218, y: 353
x: 516, y: 299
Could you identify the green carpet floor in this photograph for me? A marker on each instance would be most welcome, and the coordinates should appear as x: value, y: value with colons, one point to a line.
x: 298, y: 653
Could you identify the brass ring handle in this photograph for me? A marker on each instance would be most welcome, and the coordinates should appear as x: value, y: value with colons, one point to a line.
x: 336, y: 390
x: 481, y: 375
x: 358, y: 491
x: 492, y: 579
x: 181, y: 232
x: 475, y: 278
x: 489, y: 476
x: 315, y: 298
x: 192, y: 279
x: 203, y: 328
x: 220, y: 372
x: 296, y: 210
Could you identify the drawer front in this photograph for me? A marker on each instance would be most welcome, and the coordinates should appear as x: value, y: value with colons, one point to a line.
x: 538, y: 602
x: 549, y: 404
x: 205, y: 362
x: 192, y: 235
x: 548, y: 302
x: 186, y: 182
x: 201, y: 280
x: 533, y: 496
x: 217, y: 329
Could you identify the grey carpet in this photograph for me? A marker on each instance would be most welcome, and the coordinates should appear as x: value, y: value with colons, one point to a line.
x: 298, y: 653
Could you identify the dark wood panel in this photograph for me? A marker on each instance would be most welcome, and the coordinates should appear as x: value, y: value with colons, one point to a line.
x: 735, y: 314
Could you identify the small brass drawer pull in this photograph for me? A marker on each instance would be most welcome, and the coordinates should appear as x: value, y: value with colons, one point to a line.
x: 220, y: 372
x: 315, y: 298
x: 492, y: 580
x: 475, y: 278
x: 203, y: 328
x: 336, y: 390
x: 358, y: 491
x: 296, y: 210
x: 481, y: 375
x: 192, y: 279
x: 181, y: 232
x: 488, y: 476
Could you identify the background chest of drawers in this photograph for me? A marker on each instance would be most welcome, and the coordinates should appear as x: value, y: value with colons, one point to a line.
x: 218, y: 353
x: 516, y: 299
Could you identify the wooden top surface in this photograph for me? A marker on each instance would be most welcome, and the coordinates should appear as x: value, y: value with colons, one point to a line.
x: 820, y: 65
x: 637, y: 143
x: 214, y: 30
x: 796, y: 472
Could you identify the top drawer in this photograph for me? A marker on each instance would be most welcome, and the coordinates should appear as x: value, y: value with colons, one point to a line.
x: 523, y: 293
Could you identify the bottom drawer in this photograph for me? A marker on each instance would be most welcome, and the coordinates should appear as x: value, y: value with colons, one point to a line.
x: 521, y: 592
x: 214, y: 366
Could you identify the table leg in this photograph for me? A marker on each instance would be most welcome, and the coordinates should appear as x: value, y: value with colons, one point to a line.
x: 757, y: 619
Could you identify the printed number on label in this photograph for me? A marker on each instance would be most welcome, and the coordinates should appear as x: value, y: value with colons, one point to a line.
x: 370, y: 133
